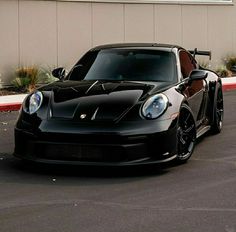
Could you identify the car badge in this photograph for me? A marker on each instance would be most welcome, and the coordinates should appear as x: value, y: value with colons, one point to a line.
x: 83, y: 116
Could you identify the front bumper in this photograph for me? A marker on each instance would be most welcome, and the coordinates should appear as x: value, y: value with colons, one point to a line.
x: 106, y: 148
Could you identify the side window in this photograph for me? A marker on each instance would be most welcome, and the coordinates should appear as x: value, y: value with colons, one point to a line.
x: 187, y: 63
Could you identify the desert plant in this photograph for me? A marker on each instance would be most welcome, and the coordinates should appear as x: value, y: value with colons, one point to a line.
x: 204, y: 64
x: 0, y: 81
x: 222, y: 71
x: 230, y: 62
x: 26, y: 78
x: 45, y: 75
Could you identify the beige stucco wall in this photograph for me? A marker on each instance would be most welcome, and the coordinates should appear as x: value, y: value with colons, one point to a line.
x: 57, y: 33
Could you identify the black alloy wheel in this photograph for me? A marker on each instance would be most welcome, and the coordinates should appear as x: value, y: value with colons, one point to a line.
x: 218, y: 113
x: 186, y: 135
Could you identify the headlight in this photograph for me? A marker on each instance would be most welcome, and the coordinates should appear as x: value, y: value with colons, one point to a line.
x: 34, y: 102
x: 154, y: 106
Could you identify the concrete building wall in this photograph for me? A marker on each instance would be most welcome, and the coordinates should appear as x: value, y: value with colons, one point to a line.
x: 57, y: 33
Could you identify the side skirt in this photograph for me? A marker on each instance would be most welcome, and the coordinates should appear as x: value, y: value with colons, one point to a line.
x: 203, y: 130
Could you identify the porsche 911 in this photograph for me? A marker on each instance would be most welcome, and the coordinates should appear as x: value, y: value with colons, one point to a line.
x: 122, y: 104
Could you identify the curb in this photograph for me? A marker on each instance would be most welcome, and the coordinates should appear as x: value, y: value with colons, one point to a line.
x: 8, y: 103
x: 227, y: 87
x: 11, y: 102
x: 10, y: 106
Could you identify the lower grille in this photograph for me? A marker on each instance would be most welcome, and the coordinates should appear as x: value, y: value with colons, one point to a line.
x: 71, y: 152
x: 112, y: 151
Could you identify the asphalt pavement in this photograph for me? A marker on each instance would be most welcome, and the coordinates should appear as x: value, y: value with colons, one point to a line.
x: 198, y: 196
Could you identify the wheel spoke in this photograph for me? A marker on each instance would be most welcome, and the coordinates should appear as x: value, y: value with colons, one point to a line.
x: 219, y: 113
x: 182, y: 140
x: 186, y: 119
x: 186, y: 131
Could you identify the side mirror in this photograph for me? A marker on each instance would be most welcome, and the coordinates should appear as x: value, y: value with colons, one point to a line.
x: 59, y: 73
x: 198, y: 74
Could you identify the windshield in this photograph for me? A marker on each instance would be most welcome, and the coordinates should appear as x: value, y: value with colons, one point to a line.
x: 126, y: 64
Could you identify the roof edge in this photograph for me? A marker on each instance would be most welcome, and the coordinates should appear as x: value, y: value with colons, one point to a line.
x: 124, y: 45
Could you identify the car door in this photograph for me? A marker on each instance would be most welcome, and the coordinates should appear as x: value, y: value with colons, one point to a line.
x: 195, y: 91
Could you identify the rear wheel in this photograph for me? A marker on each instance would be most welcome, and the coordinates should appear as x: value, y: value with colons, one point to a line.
x: 218, y: 113
x: 186, y: 135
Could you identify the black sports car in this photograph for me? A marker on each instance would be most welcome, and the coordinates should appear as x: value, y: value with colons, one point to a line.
x: 122, y: 104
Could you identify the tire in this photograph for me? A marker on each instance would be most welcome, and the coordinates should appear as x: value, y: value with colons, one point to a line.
x: 186, y: 135
x: 218, y: 113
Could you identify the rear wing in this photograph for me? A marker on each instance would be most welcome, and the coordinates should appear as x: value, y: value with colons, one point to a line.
x: 200, y: 53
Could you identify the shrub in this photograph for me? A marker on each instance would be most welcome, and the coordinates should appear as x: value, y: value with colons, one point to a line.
x: 45, y: 75
x: 229, y: 62
x: 26, y: 78
x: 223, y: 71
x: 0, y: 81
x: 204, y: 64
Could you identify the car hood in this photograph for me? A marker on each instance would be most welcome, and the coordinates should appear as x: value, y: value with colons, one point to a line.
x: 96, y: 100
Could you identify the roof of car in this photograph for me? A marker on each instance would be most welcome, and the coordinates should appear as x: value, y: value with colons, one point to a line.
x: 127, y: 45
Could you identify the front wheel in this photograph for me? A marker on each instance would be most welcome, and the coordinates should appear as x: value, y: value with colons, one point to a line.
x: 186, y: 135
